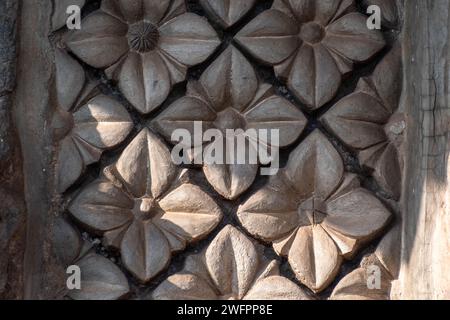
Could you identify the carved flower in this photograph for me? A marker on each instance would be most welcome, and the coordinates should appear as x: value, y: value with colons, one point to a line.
x: 149, y: 45
x: 231, y: 268
x: 230, y: 96
x: 227, y: 12
x: 84, y: 124
x: 134, y: 210
x: 313, y: 213
x: 365, y: 122
x: 311, y: 44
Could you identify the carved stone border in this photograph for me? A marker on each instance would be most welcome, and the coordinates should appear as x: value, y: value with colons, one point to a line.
x: 12, y: 215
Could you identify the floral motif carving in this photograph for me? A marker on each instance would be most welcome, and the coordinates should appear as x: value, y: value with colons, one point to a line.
x: 147, y: 46
x: 313, y: 213
x: 85, y: 124
x: 135, y: 209
x: 365, y: 121
x: 230, y: 96
x: 311, y: 44
x: 230, y: 268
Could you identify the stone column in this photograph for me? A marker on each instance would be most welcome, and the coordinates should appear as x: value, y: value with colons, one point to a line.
x: 425, y: 259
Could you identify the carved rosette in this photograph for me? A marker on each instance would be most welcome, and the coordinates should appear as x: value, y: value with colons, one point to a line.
x: 136, y: 211
x: 311, y: 44
x: 314, y: 212
x: 147, y: 46
x: 229, y: 96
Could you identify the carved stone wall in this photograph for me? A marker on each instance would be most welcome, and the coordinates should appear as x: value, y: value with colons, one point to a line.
x: 95, y: 109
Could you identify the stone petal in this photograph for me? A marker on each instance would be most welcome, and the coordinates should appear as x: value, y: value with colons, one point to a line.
x: 350, y: 37
x: 69, y: 165
x: 112, y: 239
x: 275, y: 288
x: 387, y: 79
x: 230, y: 81
x: 145, y: 251
x: 230, y: 180
x: 68, y: 88
x: 271, y: 37
x: 357, y: 214
x: 177, y: 70
x: 182, y: 114
x: 102, y: 207
x: 100, y: 280
x: 227, y: 12
x: 102, y: 122
x: 314, y: 258
x: 132, y: 11
x: 283, y: 245
x: 146, y: 166
x: 347, y: 245
x: 188, y: 38
x: 315, y: 167
x: 301, y: 10
x: 354, y: 287
x: 88, y: 152
x: 369, y: 157
x: 177, y: 7
x: 66, y: 242
x: 101, y: 42
x: 184, y: 287
x: 271, y: 212
x: 328, y: 10
x: 189, y: 213
x: 358, y: 120
x: 232, y: 261
x: 277, y: 113
x: 388, y: 173
x: 145, y: 80
x: 112, y: 7
x: 314, y: 77
x: 388, y: 251
x: 155, y: 10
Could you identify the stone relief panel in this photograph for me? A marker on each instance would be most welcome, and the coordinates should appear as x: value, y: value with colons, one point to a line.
x: 140, y: 226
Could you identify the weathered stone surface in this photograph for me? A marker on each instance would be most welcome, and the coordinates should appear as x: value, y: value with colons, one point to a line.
x: 426, y: 220
x: 12, y: 210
